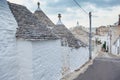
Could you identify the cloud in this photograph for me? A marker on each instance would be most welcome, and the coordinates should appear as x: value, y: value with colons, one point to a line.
x: 104, y: 12
x: 70, y: 3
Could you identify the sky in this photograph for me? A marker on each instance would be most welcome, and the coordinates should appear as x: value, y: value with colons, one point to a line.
x: 104, y: 12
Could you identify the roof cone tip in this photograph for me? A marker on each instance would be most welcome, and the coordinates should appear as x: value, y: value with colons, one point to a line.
x: 59, y: 16
x: 38, y: 3
x: 77, y: 23
x: 59, y: 21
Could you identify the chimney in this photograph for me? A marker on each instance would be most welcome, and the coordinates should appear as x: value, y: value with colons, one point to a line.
x: 119, y: 20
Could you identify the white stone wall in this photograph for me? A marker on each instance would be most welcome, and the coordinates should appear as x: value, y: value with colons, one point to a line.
x: 39, y: 60
x: 8, y: 56
x: 73, y: 59
x: 78, y: 57
x: 33, y: 60
x: 24, y: 51
x: 52, y: 61
x: 47, y: 60
x: 116, y: 47
x: 7, y: 20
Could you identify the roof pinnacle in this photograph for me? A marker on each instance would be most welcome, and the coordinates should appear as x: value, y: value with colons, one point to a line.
x: 38, y: 5
x: 59, y: 21
x: 59, y: 16
x: 77, y: 23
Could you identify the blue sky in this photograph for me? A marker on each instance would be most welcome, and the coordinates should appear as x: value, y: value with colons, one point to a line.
x: 105, y: 12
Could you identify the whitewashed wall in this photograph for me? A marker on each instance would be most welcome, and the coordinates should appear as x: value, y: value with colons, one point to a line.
x: 33, y: 60
x: 8, y: 56
x: 73, y: 59
x: 116, y: 47
x: 78, y: 57
x: 24, y: 51
x: 47, y: 61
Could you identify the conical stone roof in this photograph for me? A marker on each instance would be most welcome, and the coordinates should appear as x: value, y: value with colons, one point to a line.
x: 81, y: 34
x: 42, y: 17
x: 29, y: 25
x: 63, y: 32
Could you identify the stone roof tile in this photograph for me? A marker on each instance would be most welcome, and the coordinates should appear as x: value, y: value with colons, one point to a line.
x: 29, y: 25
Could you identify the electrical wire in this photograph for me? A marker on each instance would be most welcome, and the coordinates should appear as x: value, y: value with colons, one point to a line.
x: 81, y: 7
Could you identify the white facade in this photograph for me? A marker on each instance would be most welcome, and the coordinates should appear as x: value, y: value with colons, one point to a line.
x: 8, y: 56
x: 39, y: 60
x: 34, y: 60
x: 116, y: 47
x: 78, y: 57
x: 24, y: 51
x: 48, y: 60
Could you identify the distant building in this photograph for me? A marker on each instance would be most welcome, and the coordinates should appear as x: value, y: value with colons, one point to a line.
x: 81, y: 33
x: 102, y: 30
x: 116, y: 23
x: 116, y: 40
